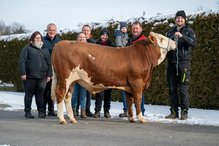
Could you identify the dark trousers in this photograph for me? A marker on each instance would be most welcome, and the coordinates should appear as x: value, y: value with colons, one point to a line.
x: 179, y: 85
x: 107, y: 99
x: 34, y: 87
x: 47, y: 97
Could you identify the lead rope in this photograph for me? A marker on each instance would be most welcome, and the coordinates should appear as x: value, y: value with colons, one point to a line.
x: 177, y: 55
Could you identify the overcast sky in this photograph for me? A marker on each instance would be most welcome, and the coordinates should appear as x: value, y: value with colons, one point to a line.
x: 36, y: 14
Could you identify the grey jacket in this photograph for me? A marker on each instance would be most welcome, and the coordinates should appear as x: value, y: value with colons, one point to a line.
x: 121, y: 39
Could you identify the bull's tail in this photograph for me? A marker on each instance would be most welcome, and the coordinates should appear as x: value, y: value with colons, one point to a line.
x: 54, y: 85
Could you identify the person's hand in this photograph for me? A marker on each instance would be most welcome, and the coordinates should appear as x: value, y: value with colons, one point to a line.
x: 48, y: 79
x: 23, y: 77
x: 178, y: 34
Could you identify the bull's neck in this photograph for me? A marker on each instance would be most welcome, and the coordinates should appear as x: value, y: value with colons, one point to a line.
x: 163, y: 54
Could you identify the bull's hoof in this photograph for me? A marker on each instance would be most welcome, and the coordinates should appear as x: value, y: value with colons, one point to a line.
x: 131, y: 120
x: 62, y: 122
x: 73, y: 121
x: 142, y: 121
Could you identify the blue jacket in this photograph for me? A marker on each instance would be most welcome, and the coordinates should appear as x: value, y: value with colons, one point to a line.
x: 49, y: 44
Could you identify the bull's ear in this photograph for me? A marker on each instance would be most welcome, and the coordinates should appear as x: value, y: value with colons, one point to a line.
x: 152, y: 38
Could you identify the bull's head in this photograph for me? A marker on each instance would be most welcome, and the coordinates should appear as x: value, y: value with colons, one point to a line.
x: 162, y: 41
x: 165, y: 44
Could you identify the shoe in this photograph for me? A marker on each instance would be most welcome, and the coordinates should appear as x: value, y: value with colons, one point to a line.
x: 107, y: 114
x: 29, y: 115
x: 184, y: 114
x: 83, y: 113
x: 52, y: 113
x: 41, y: 115
x: 122, y: 115
x: 96, y: 114
x: 173, y: 114
x: 89, y: 113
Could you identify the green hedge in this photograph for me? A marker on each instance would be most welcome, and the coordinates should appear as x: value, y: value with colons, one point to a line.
x: 204, y: 88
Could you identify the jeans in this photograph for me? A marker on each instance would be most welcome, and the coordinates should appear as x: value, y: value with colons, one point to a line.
x: 79, y: 92
x: 125, y: 103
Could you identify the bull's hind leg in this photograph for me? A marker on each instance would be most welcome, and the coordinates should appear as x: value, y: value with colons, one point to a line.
x: 60, y: 112
x: 60, y: 92
x: 129, y: 100
x: 69, y: 108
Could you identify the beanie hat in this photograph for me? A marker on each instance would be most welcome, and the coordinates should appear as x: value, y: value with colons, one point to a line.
x: 181, y: 13
x: 104, y: 31
x: 123, y: 24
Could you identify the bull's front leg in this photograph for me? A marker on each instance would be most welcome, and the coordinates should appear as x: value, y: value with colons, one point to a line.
x: 129, y: 100
x: 138, y: 100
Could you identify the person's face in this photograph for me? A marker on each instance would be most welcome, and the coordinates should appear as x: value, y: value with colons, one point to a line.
x: 104, y: 37
x: 180, y: 21
x: 52, y: 31
x: 124, y: 29
x: 136, y: 30
x: 86, y: 30
x: 82, y: 37
x: 37, y: 39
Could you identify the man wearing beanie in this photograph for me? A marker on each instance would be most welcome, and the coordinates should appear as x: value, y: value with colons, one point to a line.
x: 179, y: 67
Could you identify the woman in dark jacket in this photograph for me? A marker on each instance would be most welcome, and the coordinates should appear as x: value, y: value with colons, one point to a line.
x: 35, y: 69
x: 107, y: 93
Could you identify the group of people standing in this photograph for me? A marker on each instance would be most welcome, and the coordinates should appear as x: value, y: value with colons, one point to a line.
x: 36, y: 72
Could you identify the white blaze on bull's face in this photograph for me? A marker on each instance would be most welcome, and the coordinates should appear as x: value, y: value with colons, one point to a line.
x: 165, y: 44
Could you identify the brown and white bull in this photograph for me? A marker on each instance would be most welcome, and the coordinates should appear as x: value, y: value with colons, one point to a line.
x: 97, y: 68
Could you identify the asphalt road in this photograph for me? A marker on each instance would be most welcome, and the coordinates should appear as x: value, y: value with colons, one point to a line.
x: 15, y: 130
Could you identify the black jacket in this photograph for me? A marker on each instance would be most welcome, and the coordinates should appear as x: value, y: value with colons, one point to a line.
x: 107, y: 43
x: 35, y: 62
x: 185, y: 43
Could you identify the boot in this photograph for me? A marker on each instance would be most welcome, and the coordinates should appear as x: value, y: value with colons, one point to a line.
x: 83, y: 113
x: 96, y: 114
x: 173, y: 114
x: 52, y: 113
x: 89, y: 113
x: 184, y: 114
x: 107, y: 114
x: 122, y: 115
x: 41, y: 115
x: 29, y: 115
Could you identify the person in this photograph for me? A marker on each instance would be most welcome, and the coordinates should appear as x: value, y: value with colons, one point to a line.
x: 104, y: 40
x: 136, y: 36
x: 79, y: 92
x: 50, y: 40
x: 178, y: 70
x: 35, y: 69
x: 121, y: 35
x: 86, y: 29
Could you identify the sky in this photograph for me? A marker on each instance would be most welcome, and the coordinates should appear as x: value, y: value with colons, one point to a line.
x: 35, y: 15
x: 153, y: 113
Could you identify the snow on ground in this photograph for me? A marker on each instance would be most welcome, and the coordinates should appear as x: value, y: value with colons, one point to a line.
x: 154, y: 113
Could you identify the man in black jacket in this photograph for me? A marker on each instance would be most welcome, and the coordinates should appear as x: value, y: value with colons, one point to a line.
x: 49, y: 41
x: 178, y: 71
